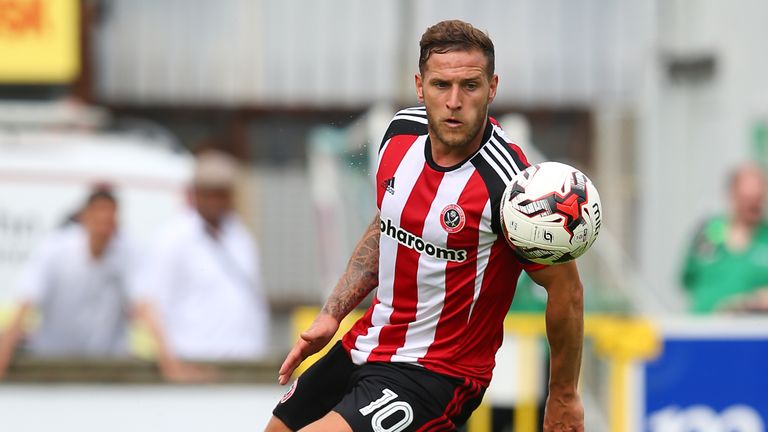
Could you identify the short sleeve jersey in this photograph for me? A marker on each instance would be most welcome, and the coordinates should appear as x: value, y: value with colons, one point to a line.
x: 446, y: 275
x: 714, y: 274
x: 84, y: 302
x: 208, y: 290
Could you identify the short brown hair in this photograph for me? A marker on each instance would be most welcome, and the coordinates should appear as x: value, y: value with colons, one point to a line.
x: 455, y: 35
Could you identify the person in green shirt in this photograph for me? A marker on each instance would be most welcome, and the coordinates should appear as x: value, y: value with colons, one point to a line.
x: 726, y: 269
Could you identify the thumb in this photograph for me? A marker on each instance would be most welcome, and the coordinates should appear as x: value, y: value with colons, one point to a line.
x: 310, y: 335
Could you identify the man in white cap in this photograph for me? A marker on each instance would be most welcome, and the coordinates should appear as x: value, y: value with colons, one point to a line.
x: 204, y: 273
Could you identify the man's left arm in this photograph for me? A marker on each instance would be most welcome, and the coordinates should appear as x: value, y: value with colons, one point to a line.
x: 565, y: 333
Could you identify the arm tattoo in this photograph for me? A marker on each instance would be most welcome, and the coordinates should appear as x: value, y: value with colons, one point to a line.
x: 360, y: 277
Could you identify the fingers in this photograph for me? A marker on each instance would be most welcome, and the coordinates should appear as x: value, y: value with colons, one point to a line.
x: 311, y: 341
x: 292, y: 361
x: 307, y: 345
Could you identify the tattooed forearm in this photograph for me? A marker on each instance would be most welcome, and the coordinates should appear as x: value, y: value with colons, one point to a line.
x: 360, y: 277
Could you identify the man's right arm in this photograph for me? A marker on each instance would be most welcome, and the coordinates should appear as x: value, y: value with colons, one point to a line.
x: 357, y: 281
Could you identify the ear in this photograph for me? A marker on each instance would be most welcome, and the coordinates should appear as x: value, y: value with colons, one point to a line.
x: 494, y: 84
x: 419, y: 88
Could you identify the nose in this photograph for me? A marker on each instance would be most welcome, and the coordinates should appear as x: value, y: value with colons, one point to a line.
x: 454, y: 99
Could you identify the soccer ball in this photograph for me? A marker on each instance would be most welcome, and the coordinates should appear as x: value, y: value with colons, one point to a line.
x: 550, y: 213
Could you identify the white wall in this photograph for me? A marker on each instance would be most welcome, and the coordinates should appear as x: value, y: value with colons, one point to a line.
x: 348, y: 52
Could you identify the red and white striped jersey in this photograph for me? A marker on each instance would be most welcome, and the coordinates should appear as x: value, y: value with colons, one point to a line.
x: 446, y: 276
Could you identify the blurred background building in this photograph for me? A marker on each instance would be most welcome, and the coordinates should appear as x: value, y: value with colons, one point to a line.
x: 655, y: 100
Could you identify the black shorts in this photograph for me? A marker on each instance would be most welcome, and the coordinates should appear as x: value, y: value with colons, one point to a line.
x: 380, y: 396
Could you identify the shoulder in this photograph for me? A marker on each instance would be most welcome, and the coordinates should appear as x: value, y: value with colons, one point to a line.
x: 709, y: 234
x: 513, y: 149
x: 179, y: 230
x: 763, y: 229
x: 59, y: 249
x: 65, y: 239
x: 408, y: 121
x: 499, y: 159
x: 497, y: 162
x: 235, y: 226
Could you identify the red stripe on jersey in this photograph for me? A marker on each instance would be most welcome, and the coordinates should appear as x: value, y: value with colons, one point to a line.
x: 360, y: 328
x: 460, y: 276
x: 389, y: 161
x: 487, y: 321
x: 474, y: 356
x: 405, y: 295
x: 520, y: 155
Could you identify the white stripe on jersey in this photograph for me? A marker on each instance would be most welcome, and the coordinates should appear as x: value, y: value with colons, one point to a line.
x: 485, y: 243
x: 416, y: 110
x: 503, y: 163
x: 500, y: 132
x: 422, y: 120
x: 407, y: 173
x: 507, y: 158
x: 484, y: 153
x: 430, y: 277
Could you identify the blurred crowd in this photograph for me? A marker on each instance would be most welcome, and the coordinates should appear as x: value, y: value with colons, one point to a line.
x: 196, y: 290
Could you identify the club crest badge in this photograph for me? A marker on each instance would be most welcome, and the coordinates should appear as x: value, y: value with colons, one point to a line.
x: 288, y: 394
x: 452, y: 218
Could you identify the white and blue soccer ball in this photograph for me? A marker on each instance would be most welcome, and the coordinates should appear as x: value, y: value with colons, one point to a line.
x: 550, y: 213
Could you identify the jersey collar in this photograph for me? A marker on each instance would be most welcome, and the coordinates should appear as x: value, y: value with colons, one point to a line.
x: 431, y: 162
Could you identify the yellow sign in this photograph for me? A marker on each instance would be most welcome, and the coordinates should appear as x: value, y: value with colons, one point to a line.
x: 39, y: 41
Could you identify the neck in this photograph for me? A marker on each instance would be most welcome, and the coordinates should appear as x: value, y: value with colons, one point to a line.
x: 97, y: 246
x: 212, y: 230
x: 744, y: 224
x: 740, y: 234
x: 447, y: 155
x: 212, y: 226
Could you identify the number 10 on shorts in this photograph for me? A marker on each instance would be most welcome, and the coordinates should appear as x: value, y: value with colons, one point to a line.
x: 386, y: 407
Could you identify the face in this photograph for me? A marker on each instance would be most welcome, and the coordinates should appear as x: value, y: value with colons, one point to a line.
x: 99, y: 219
x: 456, y: 91
x: 213, y: 203
x: 748, y: 196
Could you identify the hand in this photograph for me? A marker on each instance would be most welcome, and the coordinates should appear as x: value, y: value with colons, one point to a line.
x: 181, y: 372
x: 564, y: 413
x: 311, y: 341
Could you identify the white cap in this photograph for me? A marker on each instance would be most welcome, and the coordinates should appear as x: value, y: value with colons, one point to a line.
x: 215, y: 169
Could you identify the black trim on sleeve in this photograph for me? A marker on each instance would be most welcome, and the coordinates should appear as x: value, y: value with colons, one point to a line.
x: 495, y: 185
x: 521, y: 165
x: 404, y: 126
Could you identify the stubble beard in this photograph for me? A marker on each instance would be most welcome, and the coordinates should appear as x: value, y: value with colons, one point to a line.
x: 455, y: 139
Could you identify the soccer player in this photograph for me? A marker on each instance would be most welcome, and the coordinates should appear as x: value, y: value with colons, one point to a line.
x: 422, y: 355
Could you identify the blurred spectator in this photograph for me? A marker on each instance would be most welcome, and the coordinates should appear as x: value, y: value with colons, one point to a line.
x: 205, y: 273
x: 726, y: 269
x: 79, y: 280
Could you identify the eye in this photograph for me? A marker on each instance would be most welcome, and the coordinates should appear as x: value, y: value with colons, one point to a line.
x: 472, y: 85
x: 440, y: 84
